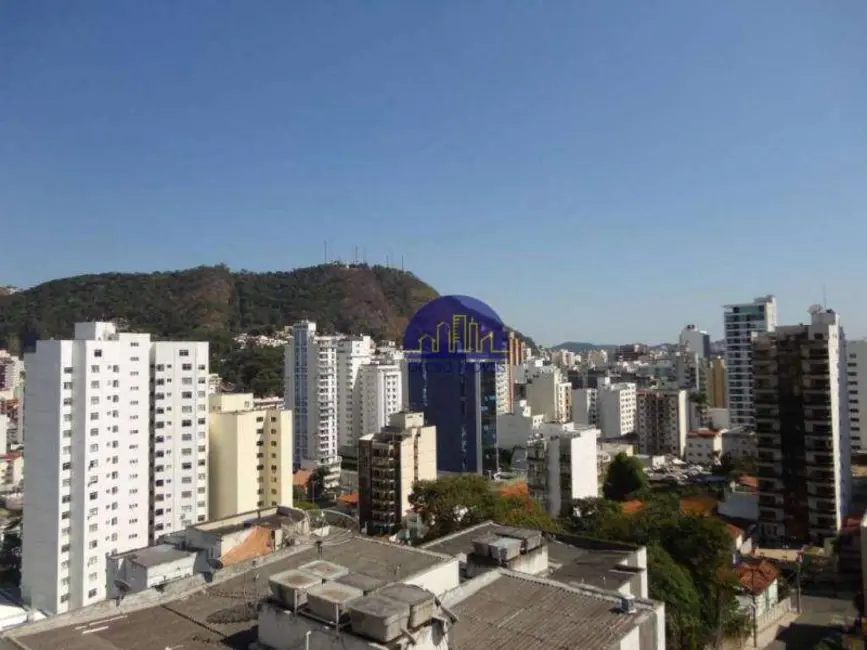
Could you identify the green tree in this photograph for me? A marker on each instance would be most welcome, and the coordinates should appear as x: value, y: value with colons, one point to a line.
x: 625, y: 478
x: 453, y: 502
x: 600, y: 518
x: 672, y: 584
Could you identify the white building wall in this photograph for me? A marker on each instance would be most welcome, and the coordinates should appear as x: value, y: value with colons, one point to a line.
x: 353, y: 353
x: 585, y: 406
x: 381, y: 395
x: 856, y: 394
x: 616, y: 407
x: 179, y: 435
x: 86, y: 463
x: 740, y: 322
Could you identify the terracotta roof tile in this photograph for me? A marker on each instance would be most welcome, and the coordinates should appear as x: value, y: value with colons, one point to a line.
x: 755, y: 577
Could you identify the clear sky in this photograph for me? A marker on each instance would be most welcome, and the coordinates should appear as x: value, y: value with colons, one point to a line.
x: 594, y: 170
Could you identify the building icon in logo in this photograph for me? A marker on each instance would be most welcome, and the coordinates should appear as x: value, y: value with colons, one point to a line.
x: 456, y: 328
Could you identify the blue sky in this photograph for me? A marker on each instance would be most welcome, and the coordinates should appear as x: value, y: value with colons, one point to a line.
x: 594, y: 170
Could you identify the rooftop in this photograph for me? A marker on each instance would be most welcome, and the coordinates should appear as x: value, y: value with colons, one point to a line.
x: 517, y: 612
x: 571, y: 559
x: 154, y: 555
x: 223, y: 614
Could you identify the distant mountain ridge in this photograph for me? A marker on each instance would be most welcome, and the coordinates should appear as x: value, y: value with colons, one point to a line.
x: 580, y: 346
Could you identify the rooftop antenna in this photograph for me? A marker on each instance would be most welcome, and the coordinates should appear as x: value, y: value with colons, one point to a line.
x: 401, y: 263
x: 326, y: 251
x: 356, y: 255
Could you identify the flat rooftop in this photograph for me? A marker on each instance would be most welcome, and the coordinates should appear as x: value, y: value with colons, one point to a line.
x: 154, y: 555
x: 223, y: 615
x: 572, y: 560
x: 273, y: 518
x: 515, y: 612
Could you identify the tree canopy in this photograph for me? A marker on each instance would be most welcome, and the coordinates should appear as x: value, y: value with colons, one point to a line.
x: 625, y: 478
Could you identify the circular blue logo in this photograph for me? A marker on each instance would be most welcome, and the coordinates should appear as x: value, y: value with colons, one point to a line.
x: 456, y: 327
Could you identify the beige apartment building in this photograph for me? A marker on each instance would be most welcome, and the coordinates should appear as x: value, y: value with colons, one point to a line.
x: 389, y: 462
x: 250, y: 455
x: 716, y: 383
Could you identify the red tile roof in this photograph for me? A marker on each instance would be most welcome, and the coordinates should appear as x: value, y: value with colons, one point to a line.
x: 755, y: 577
x: 748, y: 481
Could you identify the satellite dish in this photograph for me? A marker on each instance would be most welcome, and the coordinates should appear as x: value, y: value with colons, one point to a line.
x: 815, y: 309
x: 341, y: 528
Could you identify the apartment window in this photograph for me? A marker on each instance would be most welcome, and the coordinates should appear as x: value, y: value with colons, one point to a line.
x: 186, y: 495
x: 186, y: 466
x: 187, y: 366
x: 94, y: 416
x: 97, y: 353
x: 67, y: 385
x: 186, y: 395
x: 94, y: 496
x: 202, y: 366
x: 92, y: 544
x: 91, y: 593
x: 201, y: 490
x: 66, y: 466
x: 94, y: 369
x: 67, y: 370
x: 183, y: 353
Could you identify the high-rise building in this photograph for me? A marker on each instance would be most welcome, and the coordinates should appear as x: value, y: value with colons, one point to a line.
x: 716, y: 383
x: 548, y: 392
x: 611, y: 407
x: 250, y: 455
x: 381, y: 390
x: 562, y: 468
x: 353, y: 353
x: 311, y: 388
x: 179, y: 436
x: 695, y: 340
x: 459, y: 398
x: 741, y: 322
x: 662, y: 421
x: 856, y: 394
x: 389, y: 463
x: 87, y: 459
x: 797, y: 410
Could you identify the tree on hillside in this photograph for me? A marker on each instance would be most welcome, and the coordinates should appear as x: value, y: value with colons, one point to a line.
x: 625, y: 478
x: 672, y: 584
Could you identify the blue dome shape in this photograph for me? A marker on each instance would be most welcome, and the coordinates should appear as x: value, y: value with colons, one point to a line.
x: 456, y: 327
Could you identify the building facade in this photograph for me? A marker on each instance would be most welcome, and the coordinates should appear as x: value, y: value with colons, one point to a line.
x: 459, y: 398
x: 311, y: 394
x: 250, y: 455
x: 389, y: 463
x: 797, y: 411
x: 562, y: 469
x: 178, y: 436
x: 662, y: 422
x: 740, y: 323
x: 86, y: 469
x: 381, y: 391
x: 856, y: 394
x: 716, y: 383
x: 353, y: 353
x: 695, y: 340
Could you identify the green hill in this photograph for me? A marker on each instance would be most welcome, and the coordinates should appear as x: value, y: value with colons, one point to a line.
x: 214, y: 304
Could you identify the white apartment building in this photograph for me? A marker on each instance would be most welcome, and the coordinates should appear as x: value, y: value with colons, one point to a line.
x: 550, y: 394
x: 250, y: 458
x: 616, y: 407
x: 703, y: 447
x: 86, y: 471
x: 381, y: 390
x: 515, y: 429
x: 739, y: 443
x: 695, y: 340
x: 179, y: 436
x: 740, y: 322
x: 611, y: 407
x: 662, y: 422
x: 353, y: 353
x: 10, y: 375
x: 563, y: 468
x: 856, y: 394
x: 311, y: 388
x: 4, y: 433
x: 585, y: 406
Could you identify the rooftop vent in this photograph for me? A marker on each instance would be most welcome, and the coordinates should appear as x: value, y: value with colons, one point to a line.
x: 290, y: 587
x: 361, y: 581
x: 627, y: 604
x: 324, y: 570
x: 502, y: 549
x: 378, y: 618
x: 530, y: 539
x: 422, y: 603
x: 329, y: 601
